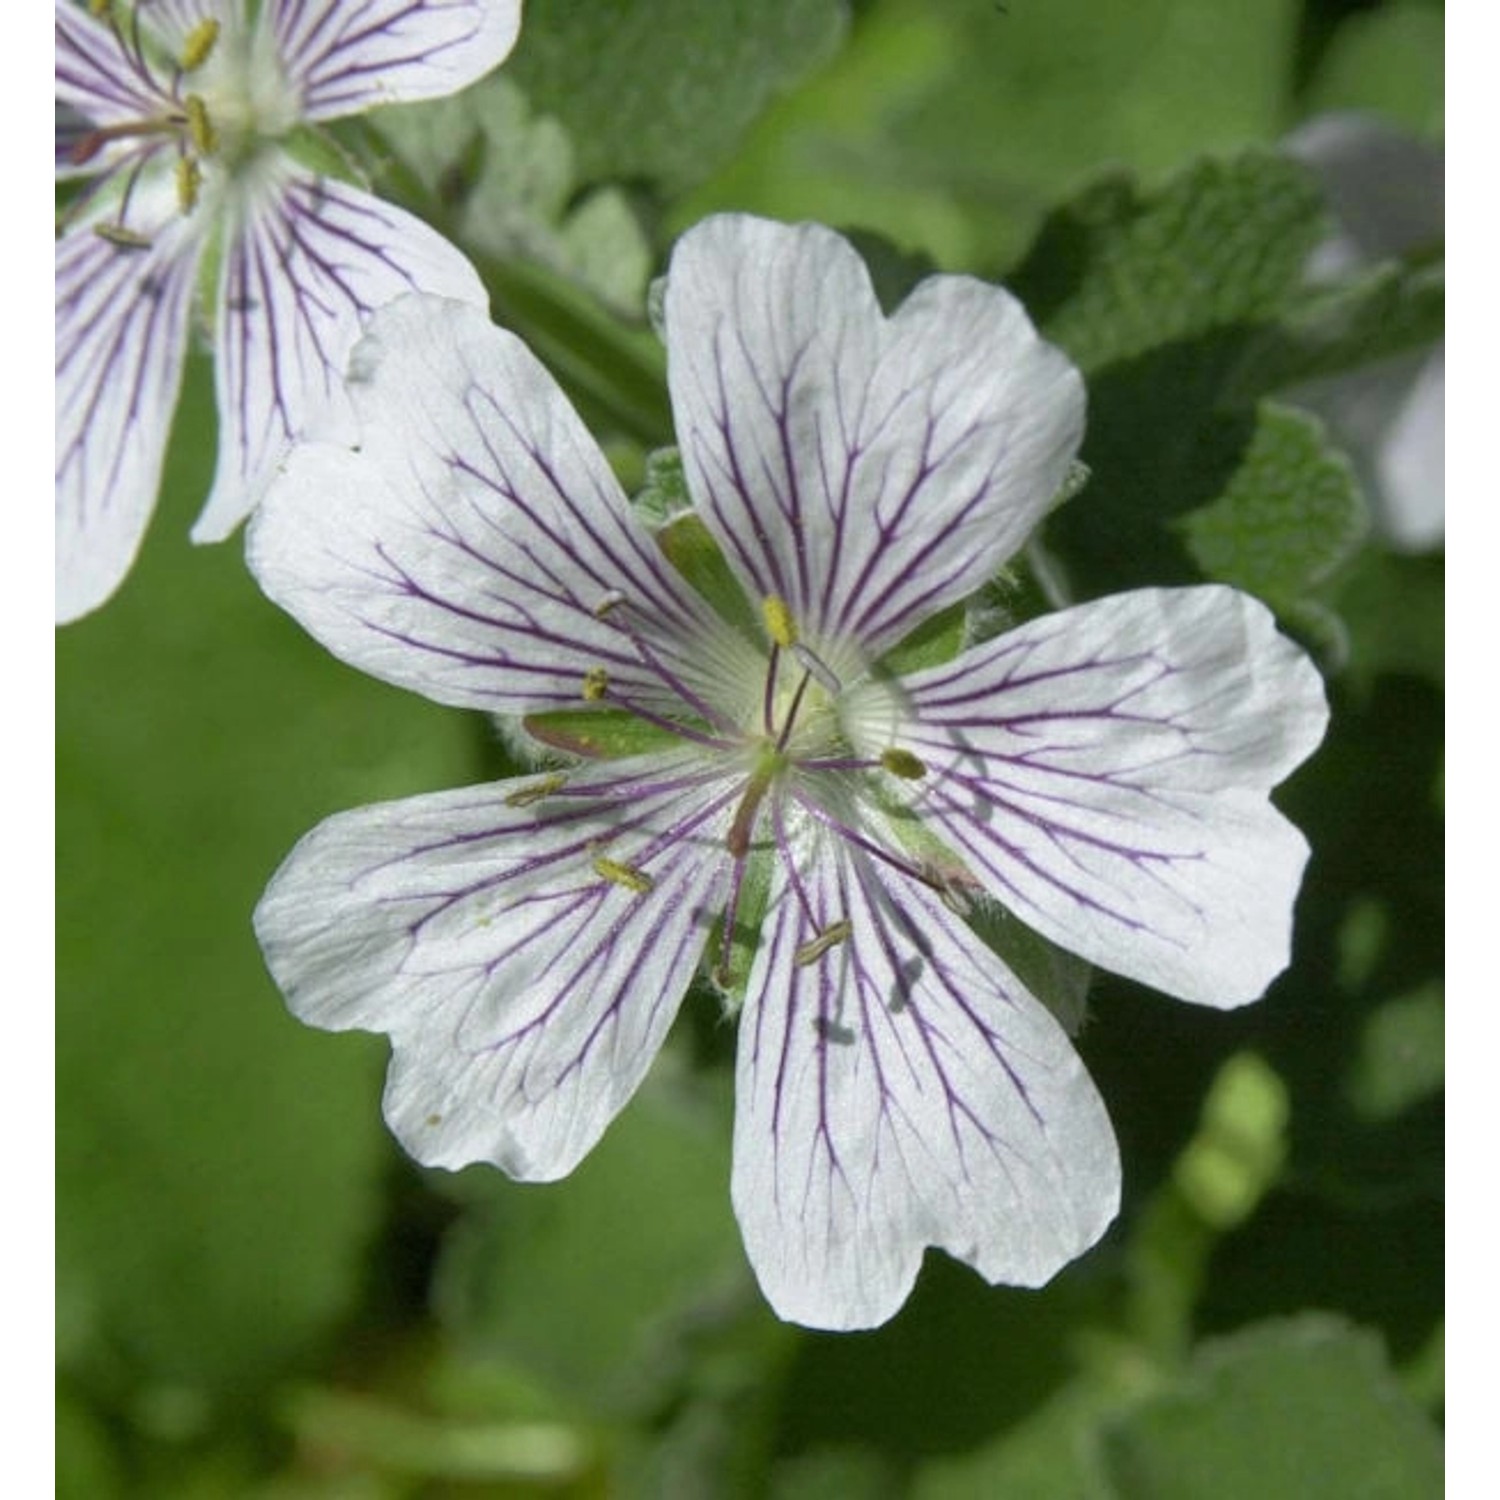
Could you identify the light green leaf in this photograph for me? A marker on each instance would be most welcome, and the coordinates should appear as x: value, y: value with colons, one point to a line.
x: 1388, y: 60
x: 506, y: 180
x: 951, y: 125
x: 639, y: 1245
x: 663, y: 89
x: 1288, y: 516
x: 1309, y: 1406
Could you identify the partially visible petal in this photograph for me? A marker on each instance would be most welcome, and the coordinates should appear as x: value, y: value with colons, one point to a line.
x: 868, y: 471
x: 902, y: 1090
x: 94, y: 75
x: 311, y: 260
x: 346, y: 58
x: 121, y: 334
x: 524, y: 995
x: 1105, y: 771
x: 466, y: 549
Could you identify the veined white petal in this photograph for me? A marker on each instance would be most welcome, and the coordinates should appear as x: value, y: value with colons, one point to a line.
x: 525, y: 993
x: 346, y: 58
x: 869, y: 471
x: 309, y: 260
x: 121, y: 334
x: 467, y: 548
x: 93, y: 74
x: 1105, y: 771
x: 901, y: 1089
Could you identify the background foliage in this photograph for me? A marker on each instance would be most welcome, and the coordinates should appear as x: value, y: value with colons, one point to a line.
x: 258, y: 1295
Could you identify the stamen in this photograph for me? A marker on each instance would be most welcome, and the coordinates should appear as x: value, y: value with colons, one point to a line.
x: 780, y: 625
x: 903, y: 763
x: 126, y: 239
x: 189, y: 180
x: 620, y: 874
x: 609, y: 602
x: 201, y: 131
x: 595, y: 684
x: 830, y: 937
x: 199, y: 43
x: 548, y: 786
x: 737, y: 840
x: 98, y: 7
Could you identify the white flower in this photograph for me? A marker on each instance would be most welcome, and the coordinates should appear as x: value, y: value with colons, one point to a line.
x: 191, y: 118
x: 1102, y: 772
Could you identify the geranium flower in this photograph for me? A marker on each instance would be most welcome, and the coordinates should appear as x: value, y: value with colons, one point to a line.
x: 815, y: 829
x: 193, y: 120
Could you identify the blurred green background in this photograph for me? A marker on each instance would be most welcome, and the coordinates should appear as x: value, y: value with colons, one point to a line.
x: 259, y: 1295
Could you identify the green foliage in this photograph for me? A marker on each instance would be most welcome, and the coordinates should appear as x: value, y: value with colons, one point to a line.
x: 951, y: 126
x: 1170, y: 302
x: 507, y: 180
x: 1305, y: 1407
x: 640, y: 1246
x: 662, y: 89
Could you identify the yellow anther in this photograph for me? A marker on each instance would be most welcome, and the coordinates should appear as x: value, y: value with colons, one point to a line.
x: 607, y: 603
x: 595, y: 684
x: 98, y: 7
x: 126, y: 239
x: 903, y: 763
x: 830, y: 937
x: 526, y: 795
x: 189, y: 180
x: 201, y: 131
x: 780, y: 625
x: 200, y: 42
x: 627, y: 875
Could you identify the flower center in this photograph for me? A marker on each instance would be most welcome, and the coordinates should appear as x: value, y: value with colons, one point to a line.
x: 220, y: 97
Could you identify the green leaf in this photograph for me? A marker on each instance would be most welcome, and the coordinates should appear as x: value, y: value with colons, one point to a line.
x: 1288, y: 516
x: 950, y: 126
x: 1116, y: 273
x: 1400, y: 1059
x: 1303, y: 1407
x: 1162, y: 297
x: 1387, y: 60
x: 507, y: 181
x: 663, y: 89
x: 218, y: 1165
x: 639, y: 1246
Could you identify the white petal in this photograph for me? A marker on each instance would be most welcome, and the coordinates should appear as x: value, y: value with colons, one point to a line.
x: 1409, y: 491
x: 311, y: 260
x: 465, y: 549
x: 524, y: 995
x: 92, y: 73
x: 121, y: 334
x: 348, y: 58
x: 903, y: 1090
x: 868, y: 471
x: 1105, y: 771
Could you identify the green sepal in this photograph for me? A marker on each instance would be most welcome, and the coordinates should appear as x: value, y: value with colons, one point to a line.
x: 690, y: 549
x: 318, y: 151
x: 598, y: 733
x: 663, y: 495
x: 937, y: 639
x: 730, y: 972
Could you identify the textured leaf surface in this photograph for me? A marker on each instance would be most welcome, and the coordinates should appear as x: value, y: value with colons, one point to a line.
x: 662, y: 89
